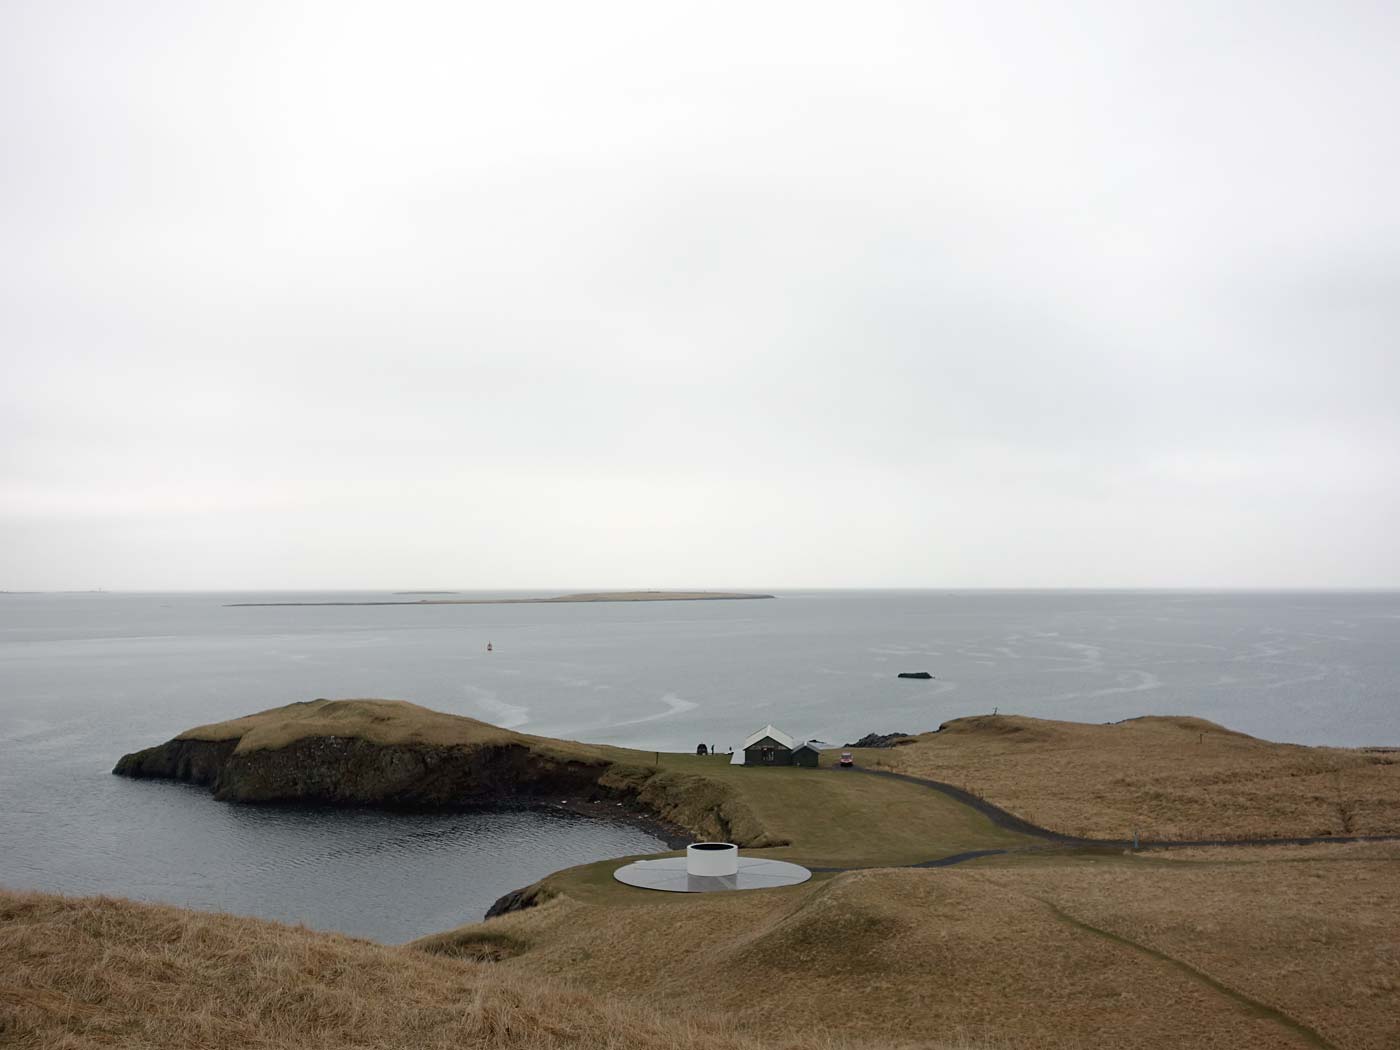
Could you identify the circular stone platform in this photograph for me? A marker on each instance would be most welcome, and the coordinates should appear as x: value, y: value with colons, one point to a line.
x: 670, y: 874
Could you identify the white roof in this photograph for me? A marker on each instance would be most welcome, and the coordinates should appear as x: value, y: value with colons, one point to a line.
x: 769, y: 730
x: 737, y: 759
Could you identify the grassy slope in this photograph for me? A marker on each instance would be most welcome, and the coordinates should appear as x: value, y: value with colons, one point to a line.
x: 1009, y: 948
x: 834, y: 818
x: 105, y: 973
x: 1173, y: 778
x: 1315, y: 934
x: 828, y: 819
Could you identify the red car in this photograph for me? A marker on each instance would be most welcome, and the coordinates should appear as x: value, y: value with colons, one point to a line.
x: 846, y: 760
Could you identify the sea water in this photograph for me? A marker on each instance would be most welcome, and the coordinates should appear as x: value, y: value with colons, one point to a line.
x: 85, y: 678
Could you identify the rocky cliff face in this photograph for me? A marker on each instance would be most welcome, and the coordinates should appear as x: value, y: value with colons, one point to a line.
x: 356, y: 772
x: 351, y: 771
x: 193, y: 761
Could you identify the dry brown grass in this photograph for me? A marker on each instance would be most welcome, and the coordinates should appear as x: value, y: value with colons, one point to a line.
x: 1259, y: 853
x: 1339, y: 851
x: 106, y: 973
x: 994, y: 950
x: 1171, y: 778
x: 388, y: 722
x: 1318, y: 939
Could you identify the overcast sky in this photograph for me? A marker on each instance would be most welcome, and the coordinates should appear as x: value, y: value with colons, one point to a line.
x: 535, y: 295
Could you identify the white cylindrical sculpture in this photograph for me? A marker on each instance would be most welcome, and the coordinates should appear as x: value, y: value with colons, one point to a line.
x: 712, y: 858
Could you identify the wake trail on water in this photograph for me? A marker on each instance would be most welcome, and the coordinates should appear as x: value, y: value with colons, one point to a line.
x: 507, y: 716
x: 674, y: 705
x: 1146, y: 682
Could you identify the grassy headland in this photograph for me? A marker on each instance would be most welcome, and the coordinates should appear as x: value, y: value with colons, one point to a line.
x: 369, y: 752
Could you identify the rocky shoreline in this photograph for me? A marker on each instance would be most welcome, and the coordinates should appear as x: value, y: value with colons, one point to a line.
x: 336, y: 770
x: 321, y: 771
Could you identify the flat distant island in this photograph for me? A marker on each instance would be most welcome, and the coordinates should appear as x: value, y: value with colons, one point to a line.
x: 592, y: 596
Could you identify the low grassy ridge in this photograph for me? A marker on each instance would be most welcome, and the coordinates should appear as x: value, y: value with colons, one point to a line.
x: 1171, y: 778
x: 1036, y: 949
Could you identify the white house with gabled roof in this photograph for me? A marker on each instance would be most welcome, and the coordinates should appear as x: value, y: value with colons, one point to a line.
x: 770, y: 746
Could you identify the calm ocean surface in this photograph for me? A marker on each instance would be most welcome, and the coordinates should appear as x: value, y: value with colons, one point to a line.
x: 85, y: 678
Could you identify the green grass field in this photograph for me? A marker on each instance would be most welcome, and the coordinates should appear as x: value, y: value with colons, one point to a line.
x: 843, y: 818
x: 832, y: 818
